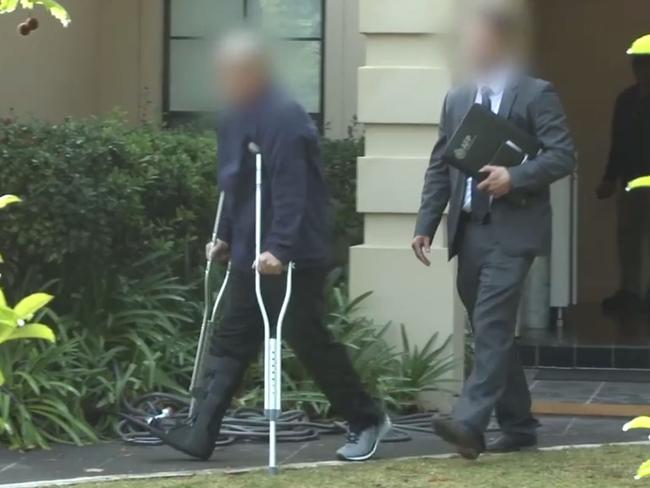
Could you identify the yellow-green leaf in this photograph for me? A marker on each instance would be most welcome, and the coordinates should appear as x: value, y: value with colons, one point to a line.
x: 643, y: 182
x: 33, y: 331
x: 8, y: 317
x: 2, y: 380
x: 7, y: 6
x: 3, y: 300
x: 637, y: 423
x: 1, y: 260
x: 8, y: 200
x: 57, y: 11
x: 28, y: 306
x: 643, y: 471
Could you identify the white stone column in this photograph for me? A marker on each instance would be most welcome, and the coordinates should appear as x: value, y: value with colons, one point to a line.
x: 401, y: 92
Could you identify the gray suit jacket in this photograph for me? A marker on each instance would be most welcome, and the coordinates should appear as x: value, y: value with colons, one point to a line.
x: 522, y: 224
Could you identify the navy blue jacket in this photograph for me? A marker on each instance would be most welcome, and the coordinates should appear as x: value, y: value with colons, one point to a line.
x: 295, y: 199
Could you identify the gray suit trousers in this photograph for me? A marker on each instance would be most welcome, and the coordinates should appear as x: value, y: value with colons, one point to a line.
x: 490, y: 283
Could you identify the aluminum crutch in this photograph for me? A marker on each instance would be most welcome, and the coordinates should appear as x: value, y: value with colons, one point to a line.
x: 208, y: 319
x: 272, y: 341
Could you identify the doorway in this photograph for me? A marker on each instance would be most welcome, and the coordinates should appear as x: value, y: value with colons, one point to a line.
x: 580, y: 46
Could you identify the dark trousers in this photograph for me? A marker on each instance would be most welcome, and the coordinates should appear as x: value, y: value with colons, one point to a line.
x: 241, y: 336
x: 490, y: 284
x: 633, y: 235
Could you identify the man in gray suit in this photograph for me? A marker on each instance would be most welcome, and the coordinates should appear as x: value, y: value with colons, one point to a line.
x: 496, y: 227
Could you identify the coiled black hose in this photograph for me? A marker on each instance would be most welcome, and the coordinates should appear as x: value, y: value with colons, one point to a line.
x: 246, y: 424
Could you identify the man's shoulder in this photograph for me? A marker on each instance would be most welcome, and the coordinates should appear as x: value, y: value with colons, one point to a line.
x: 283, y: 107
x: 534, y: 85
x: 629, y: 95
x: 459, y: 92
x: 285, y: 115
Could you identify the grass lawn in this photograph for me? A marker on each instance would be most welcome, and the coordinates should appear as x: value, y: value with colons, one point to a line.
x: 608, y: 467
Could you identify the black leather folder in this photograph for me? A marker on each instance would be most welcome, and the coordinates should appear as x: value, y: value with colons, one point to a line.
x: 485, y: 138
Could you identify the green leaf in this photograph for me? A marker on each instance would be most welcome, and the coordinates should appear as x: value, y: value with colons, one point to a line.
x: 28, y: 306
x: 7, y: 6
x: 33, y: 331
x: 3, y: 300
x: 6, y: 200
x: 2, y: 380
x: 57, y: 11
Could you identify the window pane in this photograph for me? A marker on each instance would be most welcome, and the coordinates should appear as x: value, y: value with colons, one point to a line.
x: 191, y: 76
x: 289, y: 18
x: 298, y: 65
x: 196, y: 18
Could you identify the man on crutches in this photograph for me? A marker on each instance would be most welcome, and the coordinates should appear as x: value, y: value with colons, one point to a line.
x: 265, y: 126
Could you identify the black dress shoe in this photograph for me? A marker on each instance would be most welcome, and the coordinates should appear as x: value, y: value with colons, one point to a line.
x: 468, y: 443
x: 512, y: 443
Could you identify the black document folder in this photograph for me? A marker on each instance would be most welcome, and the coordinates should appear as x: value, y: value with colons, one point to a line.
x: 485, y: 138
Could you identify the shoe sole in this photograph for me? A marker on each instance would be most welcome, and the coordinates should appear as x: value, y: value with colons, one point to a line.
x: 385, y: 428
x: 459, y: 442
x: 510, y: 451
x: 162, y: 435
x: 515, y: 449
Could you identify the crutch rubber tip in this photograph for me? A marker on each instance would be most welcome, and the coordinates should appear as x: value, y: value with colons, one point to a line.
x: 274, y: 471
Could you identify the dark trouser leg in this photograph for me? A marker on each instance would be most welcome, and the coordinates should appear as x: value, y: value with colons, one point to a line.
x: 490, y: 286
x: 513, y: 410
x: 235, y: 344
x: 631, y: 231
x: 325, y: 359
x: 240, y: 334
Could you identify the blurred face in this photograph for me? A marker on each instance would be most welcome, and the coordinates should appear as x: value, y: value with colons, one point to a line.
x: 641, y: 66
x: 483, y: 47
x: 240, y: 82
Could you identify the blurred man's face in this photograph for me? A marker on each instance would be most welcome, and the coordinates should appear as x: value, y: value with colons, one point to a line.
x: 641, y: 66
x: 239, y: 82
x: 484, y: 48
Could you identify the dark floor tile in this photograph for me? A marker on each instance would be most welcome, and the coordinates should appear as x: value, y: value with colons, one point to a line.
x: 559, y: 357
x: 624, y: 394
x: 564, y: 391
x: 631, y: 358
x: 594, y: 357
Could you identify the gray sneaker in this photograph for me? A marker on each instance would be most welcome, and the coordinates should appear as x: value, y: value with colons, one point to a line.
x: 361, y: 446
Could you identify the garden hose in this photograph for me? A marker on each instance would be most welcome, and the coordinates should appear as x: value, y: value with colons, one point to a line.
x: 246, y: 424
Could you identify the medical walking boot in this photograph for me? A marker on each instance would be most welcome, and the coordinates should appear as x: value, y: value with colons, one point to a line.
x: 196, y: 436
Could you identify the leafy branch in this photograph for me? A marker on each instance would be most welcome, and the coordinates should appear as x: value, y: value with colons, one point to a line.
x: 55, y: 8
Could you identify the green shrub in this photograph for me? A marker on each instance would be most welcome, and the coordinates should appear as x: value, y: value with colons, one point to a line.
x: 101, y: 195
x: 340, y: 157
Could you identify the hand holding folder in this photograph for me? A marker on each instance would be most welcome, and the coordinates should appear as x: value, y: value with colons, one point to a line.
x: 484, y: 138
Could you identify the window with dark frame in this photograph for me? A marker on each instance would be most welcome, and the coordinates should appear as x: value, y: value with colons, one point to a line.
x: 298, y: 24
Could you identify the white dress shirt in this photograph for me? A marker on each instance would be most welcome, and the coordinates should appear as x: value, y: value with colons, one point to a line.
x: 497, y: 87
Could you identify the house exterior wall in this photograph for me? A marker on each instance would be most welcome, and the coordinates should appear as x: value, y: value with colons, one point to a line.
x: 112, y: 56
x: 401, y: 90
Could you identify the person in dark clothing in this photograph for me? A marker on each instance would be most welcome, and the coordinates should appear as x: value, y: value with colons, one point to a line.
x: 294, y: 230
x: 629, y: 159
